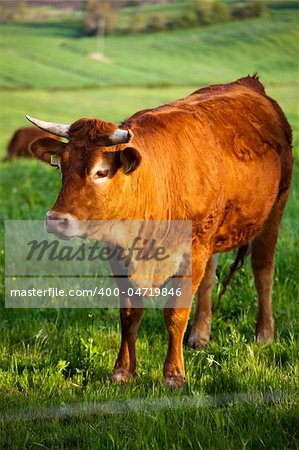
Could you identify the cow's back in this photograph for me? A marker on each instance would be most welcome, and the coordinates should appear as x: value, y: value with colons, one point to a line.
x: 222, y: 154
x: 19, y: 143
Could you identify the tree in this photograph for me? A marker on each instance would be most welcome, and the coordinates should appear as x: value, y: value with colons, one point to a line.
x: 209, y: 12
x: 202, y: 9
x: 259, y: 8
x: 137, y: 23
x: 22, y: 9
x: 100, y: 16
x: 156, y: 23
x: 220, y: 12
x: 249, y: 9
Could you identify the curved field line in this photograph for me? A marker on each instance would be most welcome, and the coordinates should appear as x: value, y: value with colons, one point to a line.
x: 144, y: 405
x: 32, y: 56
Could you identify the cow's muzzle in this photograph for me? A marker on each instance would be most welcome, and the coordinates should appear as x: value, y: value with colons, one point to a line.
x: 63, y: 226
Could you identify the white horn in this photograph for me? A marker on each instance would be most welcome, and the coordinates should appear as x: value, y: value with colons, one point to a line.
x: 59, y: 129
x: 121, y: 136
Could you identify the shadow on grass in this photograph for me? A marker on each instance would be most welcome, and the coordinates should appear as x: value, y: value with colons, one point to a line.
x: 71, y: 29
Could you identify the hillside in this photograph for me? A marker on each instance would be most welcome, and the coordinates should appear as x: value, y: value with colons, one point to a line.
x: 52, y: 56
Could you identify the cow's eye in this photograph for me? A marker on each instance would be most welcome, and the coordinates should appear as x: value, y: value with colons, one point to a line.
x: 101, y: 174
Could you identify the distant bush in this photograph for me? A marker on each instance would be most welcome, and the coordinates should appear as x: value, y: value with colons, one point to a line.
x: 137, y: 23
x: 220, y: 12
x: 202, y: 9
x: 187, y: 20
x: 156, y: 22
x: 20, y: 12
x: 259, y: 8
x: 209, y: 12
x: 171, y: 23
x: 6, y: 15
x: 248, y: 10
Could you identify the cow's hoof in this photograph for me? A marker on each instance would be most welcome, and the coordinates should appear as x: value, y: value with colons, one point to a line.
x: 175, y: 382
x: 121, y: 376
x: 264, y: 336
x: 197, y: 342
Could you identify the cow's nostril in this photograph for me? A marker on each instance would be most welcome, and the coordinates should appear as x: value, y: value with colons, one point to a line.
x: 54, y: 216
x: 56, y: 223
x: 62, y: 224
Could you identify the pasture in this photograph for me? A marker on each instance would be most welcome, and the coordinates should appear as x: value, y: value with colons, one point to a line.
x: 56, y: 358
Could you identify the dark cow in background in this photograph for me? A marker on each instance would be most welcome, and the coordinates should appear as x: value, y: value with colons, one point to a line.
x: 221, y: 157
x: 21, y: 139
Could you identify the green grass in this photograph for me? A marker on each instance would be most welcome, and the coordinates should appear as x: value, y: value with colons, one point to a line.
x: 110, y: 103
x: 52, y: 56
x: 62, y: 357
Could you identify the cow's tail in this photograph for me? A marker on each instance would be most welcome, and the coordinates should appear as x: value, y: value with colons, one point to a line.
x: 239, y: 261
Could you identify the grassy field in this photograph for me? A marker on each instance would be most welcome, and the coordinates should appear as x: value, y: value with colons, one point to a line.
x: 57, y: 358
x: 52, y: 56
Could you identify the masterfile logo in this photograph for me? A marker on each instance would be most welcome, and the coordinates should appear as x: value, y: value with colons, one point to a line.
x: 148, y: 260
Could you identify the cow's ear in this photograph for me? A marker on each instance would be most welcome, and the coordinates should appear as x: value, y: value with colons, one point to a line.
x: 46, y: 149
x: 130, y: 159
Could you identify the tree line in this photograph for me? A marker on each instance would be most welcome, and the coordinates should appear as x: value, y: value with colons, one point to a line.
x: 101, y: 16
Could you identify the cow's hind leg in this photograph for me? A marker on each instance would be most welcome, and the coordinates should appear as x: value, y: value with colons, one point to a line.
x: 262, y: 259
x: 201, y: 326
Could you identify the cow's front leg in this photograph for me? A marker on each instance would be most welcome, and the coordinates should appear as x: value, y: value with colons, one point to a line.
x: 131, y: 310
x: 176, y: 320
x: 130, y: 318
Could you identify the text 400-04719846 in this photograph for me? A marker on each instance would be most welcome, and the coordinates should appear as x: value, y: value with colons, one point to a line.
x: 146, y: 292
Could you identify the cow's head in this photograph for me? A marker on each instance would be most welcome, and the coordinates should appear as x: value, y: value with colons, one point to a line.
x: 97, y: 165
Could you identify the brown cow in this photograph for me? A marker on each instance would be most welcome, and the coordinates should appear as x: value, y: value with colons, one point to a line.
x: 221, y: 157
x: 21, y: 139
